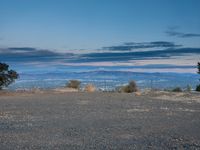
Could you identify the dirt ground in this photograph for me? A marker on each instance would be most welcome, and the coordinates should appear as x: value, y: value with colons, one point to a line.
x: 75, y: 120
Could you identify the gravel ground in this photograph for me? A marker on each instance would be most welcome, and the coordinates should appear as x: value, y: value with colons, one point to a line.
x: 97, y: 121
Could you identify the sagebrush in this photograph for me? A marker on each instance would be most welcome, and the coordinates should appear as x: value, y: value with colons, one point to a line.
x: 75, y: 84
x: 130, y: 88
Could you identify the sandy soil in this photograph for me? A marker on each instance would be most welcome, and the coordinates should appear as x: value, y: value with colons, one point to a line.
x: 75, y: 120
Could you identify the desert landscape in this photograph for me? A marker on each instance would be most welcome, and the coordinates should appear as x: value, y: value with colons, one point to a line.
x: 99, y: 120
x: 100, y: 75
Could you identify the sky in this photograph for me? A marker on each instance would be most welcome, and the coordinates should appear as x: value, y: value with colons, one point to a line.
x: 100, y: 32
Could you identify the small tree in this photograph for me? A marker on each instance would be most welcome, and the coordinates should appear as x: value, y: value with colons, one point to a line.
x: 7, y: 76
x: 198, y: 86
x: 198, y: 66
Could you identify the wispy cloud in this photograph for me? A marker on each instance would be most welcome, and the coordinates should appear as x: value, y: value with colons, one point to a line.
x: 129, y: 46
x: 28, y: 54
x: 143, y: 55
x: 22, y: 49
x: 173, y: 32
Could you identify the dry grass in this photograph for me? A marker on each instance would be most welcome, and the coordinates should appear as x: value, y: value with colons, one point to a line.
x: 90, y: 88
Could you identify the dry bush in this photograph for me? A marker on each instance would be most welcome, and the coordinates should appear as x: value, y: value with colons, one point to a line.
x: 75, y: 84
x: 90, y: 88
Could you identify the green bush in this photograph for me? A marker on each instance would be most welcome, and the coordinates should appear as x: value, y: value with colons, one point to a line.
x: 130, y: 88
x: 198, y: 88
x: 75, y: 84
x: 177, y: 89
x: 133, y: 86
x: 127, y: 89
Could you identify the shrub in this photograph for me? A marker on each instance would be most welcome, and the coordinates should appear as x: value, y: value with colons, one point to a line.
x: 75, y: 84
x: 177, y: 89
x: 127, y: 89
x: 90, y: 88
x: 7, y: 76
x: 198, y: 88
x: 130, y: 88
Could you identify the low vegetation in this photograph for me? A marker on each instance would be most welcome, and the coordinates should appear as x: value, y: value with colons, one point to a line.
x: 130, y: 88
x: 177, y: 89
x: 90, y: 88
x: 198, y: 86
x: 75, y: 84
x: 7, y: 76
x: 198, y: 67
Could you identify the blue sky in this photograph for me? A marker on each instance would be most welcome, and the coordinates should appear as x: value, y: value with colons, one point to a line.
x: 93, y: 26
